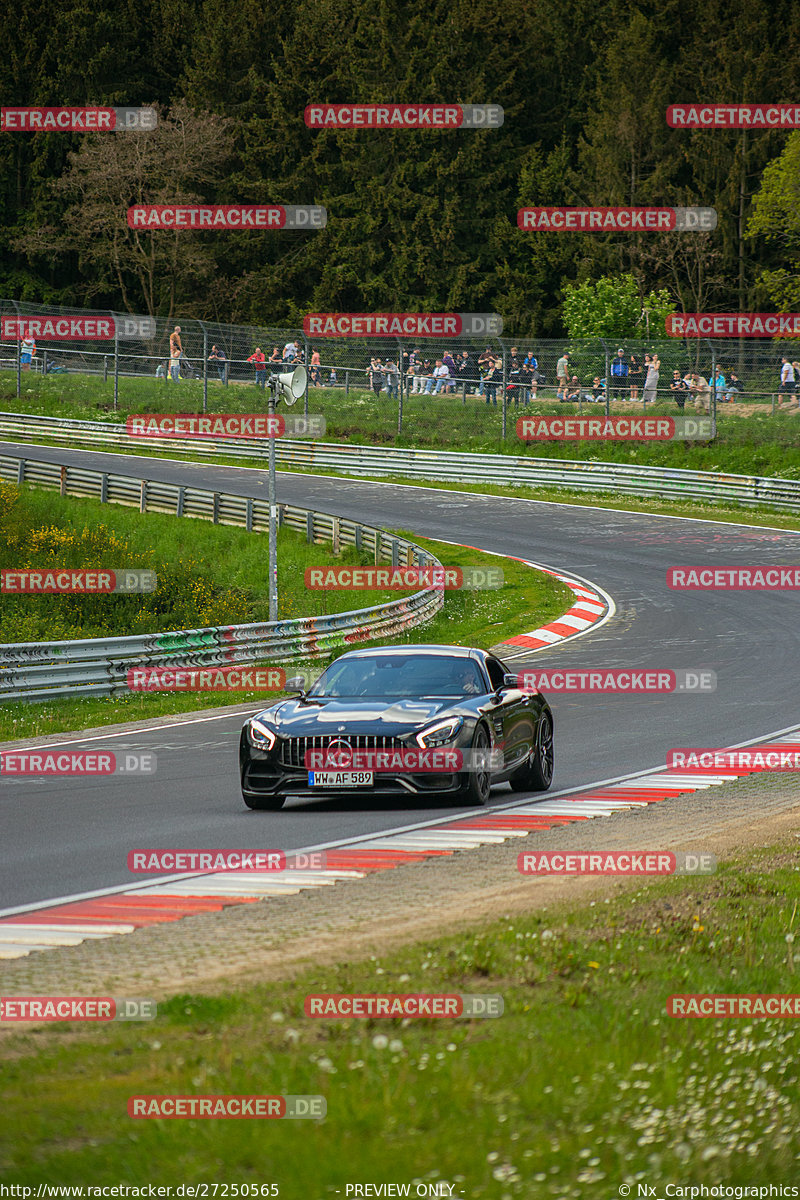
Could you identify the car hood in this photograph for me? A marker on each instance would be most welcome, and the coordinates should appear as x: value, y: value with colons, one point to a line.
x: 293, y: 718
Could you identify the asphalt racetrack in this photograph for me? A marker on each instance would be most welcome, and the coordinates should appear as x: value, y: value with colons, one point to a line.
x: 72, y: 836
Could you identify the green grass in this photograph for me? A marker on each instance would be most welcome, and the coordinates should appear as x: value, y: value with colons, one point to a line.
x: 528, y: 598
x: 584, y: 1084
x: 756, y: 443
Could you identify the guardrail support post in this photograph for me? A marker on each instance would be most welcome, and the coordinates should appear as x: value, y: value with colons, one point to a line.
x: 62, y: 482
x: 215, y: 509
x: 336, y: 535
x: 395, y: 553
x: 248, y: 517
x: 143, y: 496
x: 21, y: 472
x: 310, y: 528
x: 359, y: 530
x: 104, y: 489
x: 180, y: 501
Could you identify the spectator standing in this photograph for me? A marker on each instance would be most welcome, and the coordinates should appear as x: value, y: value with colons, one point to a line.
x: 218, y: 358
x: 619, y: 375
x: 788, y: 385
x: 392, y: 374
x: 452, y: 370
x: 651, y: 382
x: 525, y: 377
x: 316, y: 369
x: 491, y: 379
x: 175, y: 353
x: 260, y: 366
x: 562, y: 373
x: 333, y: 378
x: 289, y: 353
x: 276, y: 356
x: 512, y: 386
x: 26, y: 353
x: 375, y: 375
x: 634, y: 376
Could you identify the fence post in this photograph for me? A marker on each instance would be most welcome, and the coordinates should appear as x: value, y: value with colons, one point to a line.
x: 116, y: 364
x: 19, y: 352
x: 400, y: 389
x: 608, y: 376
x: 346, y: 381
x: 205, y: 366
x: 713, y: 383
x: 307, y: 360
x: 505, y: 393
x: 105, y: 368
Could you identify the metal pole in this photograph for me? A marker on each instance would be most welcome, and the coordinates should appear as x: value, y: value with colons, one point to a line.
x: 400, y: 389
x: 116, y: 364
x: 505, y: 393
x: 273, y: 508
x: 713, y: 385
x: 19, y: 351
x: 307, y: 364
x: 608, y: 379
x: 205, y: 367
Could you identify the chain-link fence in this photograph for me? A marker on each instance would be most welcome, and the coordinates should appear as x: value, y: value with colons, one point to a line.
x: 383, y: 389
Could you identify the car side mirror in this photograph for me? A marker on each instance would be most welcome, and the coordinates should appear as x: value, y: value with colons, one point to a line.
x: 296, y: 686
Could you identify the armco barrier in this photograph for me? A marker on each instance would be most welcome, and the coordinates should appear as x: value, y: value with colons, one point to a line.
x: 712, y: 487
x: 99, y: 667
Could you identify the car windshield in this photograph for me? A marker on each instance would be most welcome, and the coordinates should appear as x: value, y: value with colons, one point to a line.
x: 395, y: 676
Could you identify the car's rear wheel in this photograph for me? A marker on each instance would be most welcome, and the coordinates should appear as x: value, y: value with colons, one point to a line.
x: 270, y: 803
x: 537, y: 774
x: 479, y: 780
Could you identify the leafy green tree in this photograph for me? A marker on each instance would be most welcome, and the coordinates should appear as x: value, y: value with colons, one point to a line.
x: 613, y: 308
x: 776, y: 220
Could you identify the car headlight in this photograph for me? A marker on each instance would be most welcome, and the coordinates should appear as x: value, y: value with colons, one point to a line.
x: 440, y: 734
x: 260, y: 735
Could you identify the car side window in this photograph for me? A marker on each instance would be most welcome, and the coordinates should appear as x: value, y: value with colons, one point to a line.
x: 496, y: 672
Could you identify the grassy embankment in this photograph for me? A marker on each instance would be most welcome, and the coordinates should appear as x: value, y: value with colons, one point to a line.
x: 209, y: 575
x: 584, y: 1084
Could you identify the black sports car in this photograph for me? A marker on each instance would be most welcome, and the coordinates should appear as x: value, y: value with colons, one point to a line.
x: 440, y: 721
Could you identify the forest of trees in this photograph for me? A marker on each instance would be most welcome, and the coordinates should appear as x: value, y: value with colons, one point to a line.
x: 416, y: 220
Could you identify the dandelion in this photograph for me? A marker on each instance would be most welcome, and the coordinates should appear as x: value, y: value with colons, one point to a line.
x: 380, y: 1041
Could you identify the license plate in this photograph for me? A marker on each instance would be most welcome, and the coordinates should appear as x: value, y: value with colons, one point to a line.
x: 337, y: 779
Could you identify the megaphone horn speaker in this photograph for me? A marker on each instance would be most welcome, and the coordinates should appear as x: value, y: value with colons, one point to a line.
x: 292, y: 384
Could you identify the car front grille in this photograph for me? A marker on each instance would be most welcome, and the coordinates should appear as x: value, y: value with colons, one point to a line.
x: 293, y: 751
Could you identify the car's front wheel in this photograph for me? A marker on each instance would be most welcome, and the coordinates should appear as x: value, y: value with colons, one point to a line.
x: 537, y: 774
x: 479, y: 780
x: 269, y: 803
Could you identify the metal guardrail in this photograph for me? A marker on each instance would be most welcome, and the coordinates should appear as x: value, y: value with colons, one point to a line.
x: 99, y: 667
x: 673, y: 483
